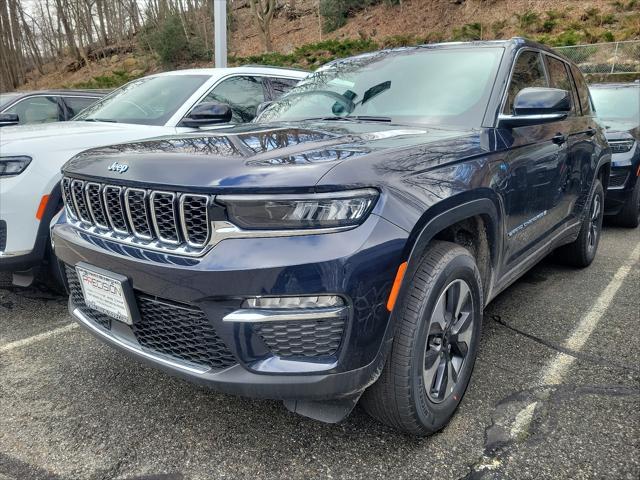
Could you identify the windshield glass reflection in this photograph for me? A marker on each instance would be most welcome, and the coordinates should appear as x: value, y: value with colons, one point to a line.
x: 448, y: 86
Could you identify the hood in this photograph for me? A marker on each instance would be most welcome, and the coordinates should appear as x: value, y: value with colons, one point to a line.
x: 270, y: 157
x: 613, y: 128
x: 24, y: 139
x: 621, y: 130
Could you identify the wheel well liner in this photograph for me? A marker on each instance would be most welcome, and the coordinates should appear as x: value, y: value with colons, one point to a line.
x: 483, y: 208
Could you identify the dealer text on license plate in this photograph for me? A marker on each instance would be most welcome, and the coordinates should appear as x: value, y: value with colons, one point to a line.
x: 104, y: 294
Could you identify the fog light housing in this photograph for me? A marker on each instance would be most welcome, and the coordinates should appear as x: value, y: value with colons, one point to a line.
x: 289, y: 303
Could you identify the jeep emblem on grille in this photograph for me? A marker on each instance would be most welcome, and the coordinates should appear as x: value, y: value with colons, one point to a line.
x: 118, y: 167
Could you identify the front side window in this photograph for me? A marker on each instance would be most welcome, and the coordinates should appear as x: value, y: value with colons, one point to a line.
x: 38, y: 109
x: 243, y: 94
x: 559, y: 76
x: 146, y: 101
x: 527, y: 72
x: 441, y: 86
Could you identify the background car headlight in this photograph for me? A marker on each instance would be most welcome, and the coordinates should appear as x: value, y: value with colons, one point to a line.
x: 10, y: 166
x: 278, y: 212
x: 621, y: 146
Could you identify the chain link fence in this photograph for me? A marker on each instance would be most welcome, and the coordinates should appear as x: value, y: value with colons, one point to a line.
x: 613, y: 58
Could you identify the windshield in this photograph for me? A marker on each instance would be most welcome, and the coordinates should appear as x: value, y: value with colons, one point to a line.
x: 5, y: 98
x: 425, y: 86
x: 621, y: 103
x: 147, y: 101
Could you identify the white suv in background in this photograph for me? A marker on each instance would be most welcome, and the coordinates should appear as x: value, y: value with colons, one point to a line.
x: 168, y: 103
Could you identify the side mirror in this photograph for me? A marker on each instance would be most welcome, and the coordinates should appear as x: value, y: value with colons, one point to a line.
x: 208, y: 113
x: 7, y: 119
x: 262, y: 107
x: 536, y: 106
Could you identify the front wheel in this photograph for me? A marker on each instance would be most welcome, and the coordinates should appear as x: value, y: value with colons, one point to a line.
x: 438, y: 322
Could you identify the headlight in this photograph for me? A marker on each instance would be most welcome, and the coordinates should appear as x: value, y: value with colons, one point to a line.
x: 10, y: 166
x: 621, y: 146
x: 283, y: 212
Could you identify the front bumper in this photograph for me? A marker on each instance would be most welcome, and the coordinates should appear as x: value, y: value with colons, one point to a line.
x: 359, y: 265
x: 625, y: 168
x: 20, y: 229
x: 622, y: 181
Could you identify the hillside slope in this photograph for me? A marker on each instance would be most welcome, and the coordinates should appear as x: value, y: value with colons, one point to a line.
x: 555, y: 22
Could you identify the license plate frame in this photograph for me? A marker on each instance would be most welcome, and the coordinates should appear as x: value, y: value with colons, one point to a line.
x: 108, y: 293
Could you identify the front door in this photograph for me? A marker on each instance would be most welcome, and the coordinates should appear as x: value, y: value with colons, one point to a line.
x: 536, y: 168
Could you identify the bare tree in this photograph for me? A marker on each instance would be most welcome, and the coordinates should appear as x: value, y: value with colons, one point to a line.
x: 263, y: 11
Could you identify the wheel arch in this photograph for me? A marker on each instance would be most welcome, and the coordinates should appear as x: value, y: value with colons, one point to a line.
x: 437, y: 222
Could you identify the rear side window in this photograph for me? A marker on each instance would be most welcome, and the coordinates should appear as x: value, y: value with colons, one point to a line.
x: 527, y: 72
x: 77, y: 104
x: 280, y: 86
x: 559, y: 77
x: 583, y: 92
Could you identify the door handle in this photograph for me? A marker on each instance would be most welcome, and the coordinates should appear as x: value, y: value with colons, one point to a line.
x: 559, y: 138
x: 590, y: 131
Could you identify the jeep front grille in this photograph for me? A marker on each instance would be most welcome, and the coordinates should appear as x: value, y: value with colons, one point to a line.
x: 168, y: 221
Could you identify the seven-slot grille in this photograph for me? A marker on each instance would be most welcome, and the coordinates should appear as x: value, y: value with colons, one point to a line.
x: 167, y: 219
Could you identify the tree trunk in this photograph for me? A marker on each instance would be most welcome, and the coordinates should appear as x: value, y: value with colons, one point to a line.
x: 263, y: 11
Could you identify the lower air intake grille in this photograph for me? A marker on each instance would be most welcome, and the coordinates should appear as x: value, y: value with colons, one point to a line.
x: 172, y: 329
x: 180, y: 331
x: 75, y: 291
x: 302, y: 339
x: 618, y: 179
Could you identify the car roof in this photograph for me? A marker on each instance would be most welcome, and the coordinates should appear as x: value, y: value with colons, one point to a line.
x: 60, y: 91
x: 515, y: 43
x: 249, y: 70
x: 635, y: 84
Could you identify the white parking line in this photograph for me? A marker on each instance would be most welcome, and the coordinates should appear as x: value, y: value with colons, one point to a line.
x: 36, y: 338
x: 557, y: 368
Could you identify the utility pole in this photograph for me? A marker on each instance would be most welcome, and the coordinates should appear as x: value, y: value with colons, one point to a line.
x: 220, y: 32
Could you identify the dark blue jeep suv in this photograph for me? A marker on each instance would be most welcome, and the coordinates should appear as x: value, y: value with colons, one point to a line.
x: 618, y: 107
x: 343, y: 246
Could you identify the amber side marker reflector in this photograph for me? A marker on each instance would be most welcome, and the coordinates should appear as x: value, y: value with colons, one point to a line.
x: 42, y: 207
x: 395, y: 290
x: 638, y: 171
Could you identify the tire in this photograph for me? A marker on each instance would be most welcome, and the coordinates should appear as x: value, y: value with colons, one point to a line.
x: 399, y: 398
x: 629, y: 216
x: 581, y: 252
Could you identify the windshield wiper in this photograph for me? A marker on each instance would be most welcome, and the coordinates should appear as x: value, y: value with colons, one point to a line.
x: 371, y: 118
x: 353, y: 118
x: 334, y: 118
x: 375, y: 91
x: 100, y: 120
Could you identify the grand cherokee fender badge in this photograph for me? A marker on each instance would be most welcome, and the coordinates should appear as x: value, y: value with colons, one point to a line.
x: 118, y: 167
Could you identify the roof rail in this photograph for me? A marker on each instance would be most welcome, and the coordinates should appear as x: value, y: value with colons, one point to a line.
x: 258, y: 65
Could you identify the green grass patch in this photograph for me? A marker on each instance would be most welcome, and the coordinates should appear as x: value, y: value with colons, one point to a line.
x: 116, y: 79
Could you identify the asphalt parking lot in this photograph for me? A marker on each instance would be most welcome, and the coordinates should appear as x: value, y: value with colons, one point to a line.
x: 555, y: 394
